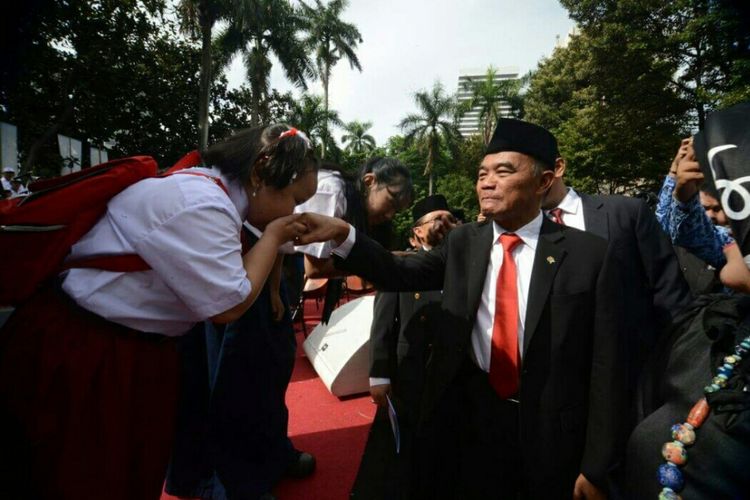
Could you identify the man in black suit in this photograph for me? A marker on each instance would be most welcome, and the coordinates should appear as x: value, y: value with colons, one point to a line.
x: 653, y: 287
x: 399, y: 340
x: 524, y: 391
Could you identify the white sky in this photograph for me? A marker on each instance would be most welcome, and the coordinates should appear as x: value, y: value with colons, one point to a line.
x: 409, y: 44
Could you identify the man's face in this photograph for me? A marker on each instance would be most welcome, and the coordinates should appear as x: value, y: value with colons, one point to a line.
x: 8, y: 175
x: 433, y: 226
x: 508, y: 188
x: 713, y: 209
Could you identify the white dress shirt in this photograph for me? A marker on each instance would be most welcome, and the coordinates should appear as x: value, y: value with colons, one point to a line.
x: 572, y: 210
x: 523, y: 256
x: 188, y: 230
x: 330, y: 200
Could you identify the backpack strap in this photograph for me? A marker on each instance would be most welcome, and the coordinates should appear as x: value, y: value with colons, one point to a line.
x: 116, y: 263
x: 192, y: 159
x: 129, y: 263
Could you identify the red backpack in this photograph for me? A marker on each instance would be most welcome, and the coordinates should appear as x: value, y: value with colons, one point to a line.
x: 37, y: 231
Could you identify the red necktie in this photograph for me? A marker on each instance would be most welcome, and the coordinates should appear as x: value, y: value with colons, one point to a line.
x: 556, y: 215
x: 504, y: 352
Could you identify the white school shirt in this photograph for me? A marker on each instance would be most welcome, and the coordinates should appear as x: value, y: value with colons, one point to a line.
x: 330, y: 200
x: 572, y: 210
x: 188, y: 230
x: 523, y: 256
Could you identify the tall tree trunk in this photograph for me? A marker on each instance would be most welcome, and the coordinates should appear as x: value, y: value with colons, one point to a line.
x: 205, y: 83
x: 428, y: 169
x: 53, y: 129
x: 324, y: 79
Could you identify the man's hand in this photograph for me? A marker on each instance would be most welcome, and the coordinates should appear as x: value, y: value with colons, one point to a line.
x: 378, y: 394
x: 681, y: 153
x: 322, y: 228
x: 585, y: 490
x: 689, y: 177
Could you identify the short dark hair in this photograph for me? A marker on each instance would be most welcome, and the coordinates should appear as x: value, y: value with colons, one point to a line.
x: 260, y: 150
x: 390, y: 173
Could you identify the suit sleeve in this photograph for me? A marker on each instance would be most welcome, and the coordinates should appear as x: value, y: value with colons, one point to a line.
x: 384, y: 328
x: 671, y: 291
x: 608, y: 382
x: 417, y: 271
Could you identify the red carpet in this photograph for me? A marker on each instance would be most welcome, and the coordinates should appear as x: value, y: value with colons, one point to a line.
x: 333, y: 430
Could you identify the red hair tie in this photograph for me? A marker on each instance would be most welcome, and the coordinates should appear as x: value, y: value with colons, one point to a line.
x: 291, y: 131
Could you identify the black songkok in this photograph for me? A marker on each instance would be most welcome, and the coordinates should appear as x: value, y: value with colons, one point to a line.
x: 427, y: 205
x: 524, y: 137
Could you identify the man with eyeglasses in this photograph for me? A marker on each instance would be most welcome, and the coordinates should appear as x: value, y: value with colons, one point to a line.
x: 399, y: 345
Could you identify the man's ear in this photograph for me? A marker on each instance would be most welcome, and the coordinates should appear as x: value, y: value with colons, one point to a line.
x: 546, y: 180
x: 560, y: 167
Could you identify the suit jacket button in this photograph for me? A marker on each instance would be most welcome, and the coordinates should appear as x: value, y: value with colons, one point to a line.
x: 423, y: 318
x: 416, y: 295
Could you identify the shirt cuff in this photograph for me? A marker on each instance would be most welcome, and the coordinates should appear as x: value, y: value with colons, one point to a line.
x: 345, y: 247
x: 379, y: 381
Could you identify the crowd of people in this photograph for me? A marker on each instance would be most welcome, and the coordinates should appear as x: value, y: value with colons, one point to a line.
x: 569, y: 345
x: 13, y: 186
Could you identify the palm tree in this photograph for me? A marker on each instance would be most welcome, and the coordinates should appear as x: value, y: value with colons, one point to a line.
x: 258, y: 28
x: 309, y: 115
x: 433, y: 125
x: 356, y: 139
x: 489, y: 95
x: 197, y: 18
x: 332, y: 39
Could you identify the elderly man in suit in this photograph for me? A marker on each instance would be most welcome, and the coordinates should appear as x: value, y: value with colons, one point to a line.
x: 525, y: 386
x: 653, y: 287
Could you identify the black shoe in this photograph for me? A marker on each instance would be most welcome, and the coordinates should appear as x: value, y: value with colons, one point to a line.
x: 301, y: 466
x: 267, y: 496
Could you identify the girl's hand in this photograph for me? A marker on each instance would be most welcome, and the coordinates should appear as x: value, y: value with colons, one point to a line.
x: 284, y: 229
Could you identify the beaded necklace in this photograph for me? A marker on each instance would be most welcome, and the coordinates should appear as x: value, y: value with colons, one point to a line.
x: 669, y: 473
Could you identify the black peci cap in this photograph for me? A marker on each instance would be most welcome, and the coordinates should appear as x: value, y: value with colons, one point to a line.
x: 427, y: 205
x: 524, y: 137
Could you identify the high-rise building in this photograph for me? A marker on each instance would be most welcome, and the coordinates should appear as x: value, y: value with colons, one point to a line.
x: 469, y: 124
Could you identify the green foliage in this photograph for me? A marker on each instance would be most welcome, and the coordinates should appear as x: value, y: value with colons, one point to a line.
x: 256, y: 29
x: 101, y: 71
x: 641, y: 74
x: 332, y: 39
x: 433, y: 127
x: 232, y: 109
x: 616, y: 119
x: 308, y: 114
x: 356, y: 139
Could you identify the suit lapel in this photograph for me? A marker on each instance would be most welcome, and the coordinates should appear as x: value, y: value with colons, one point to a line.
x: 479, y: 257
x: 594, y: 217
x: 547, y: 260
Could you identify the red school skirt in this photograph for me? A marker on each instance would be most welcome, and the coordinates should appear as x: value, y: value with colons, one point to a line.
x: 87, y: 406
